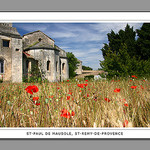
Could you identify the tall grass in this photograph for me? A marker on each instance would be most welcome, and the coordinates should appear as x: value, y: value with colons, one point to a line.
x: 89, y: 104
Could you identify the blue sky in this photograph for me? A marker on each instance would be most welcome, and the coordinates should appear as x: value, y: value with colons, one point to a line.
x: 84, y: 40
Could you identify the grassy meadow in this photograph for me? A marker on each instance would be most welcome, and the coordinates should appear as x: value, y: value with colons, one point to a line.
x: 76, y: 103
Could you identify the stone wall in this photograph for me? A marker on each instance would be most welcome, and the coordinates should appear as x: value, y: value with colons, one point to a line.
x: 43, y: 56
x: 64, y: 69
x: 33, y: 38
x: 6, y: 55
x: 16, y: 60
x: 79, y: 69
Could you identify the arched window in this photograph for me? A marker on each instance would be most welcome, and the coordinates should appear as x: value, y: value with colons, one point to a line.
x: 48, y: 65
x: 63, y: 67
x: 1, y: 66
x: 39, y: 39
x: 27, y: 64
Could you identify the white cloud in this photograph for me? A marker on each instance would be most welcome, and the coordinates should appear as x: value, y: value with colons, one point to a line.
x: 107, y: 27
x: 62, y: 34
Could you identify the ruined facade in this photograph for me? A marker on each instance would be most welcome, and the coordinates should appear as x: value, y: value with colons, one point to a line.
x: 79, y: 69
x: 18, y: 55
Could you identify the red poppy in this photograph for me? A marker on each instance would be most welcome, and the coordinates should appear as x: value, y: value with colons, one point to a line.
x: 58, y: 88
x: 141, y: 86
x: 66, y: 113
x: 70, y: 93
x: 51, y: 96
x: 117, y: 90
x: 133, y: 76
x: 125, y: 123
x: 72, y: 113
x: 82, y: 85
x: 85, y: 84
x: 67, y: 80
x: 37, y: 104
x: 86, y: 80
x: 106, y: 99
x: 35, y: 98
x: 68, y: 97
x: 126, y: 104
x: 133, y: 87
x: 32, y: 89
x: 87, y: 95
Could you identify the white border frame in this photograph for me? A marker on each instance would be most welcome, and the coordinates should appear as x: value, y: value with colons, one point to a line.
x: 84, y: 17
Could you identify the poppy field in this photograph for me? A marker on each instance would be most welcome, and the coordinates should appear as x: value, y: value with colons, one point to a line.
x: 76, y: 103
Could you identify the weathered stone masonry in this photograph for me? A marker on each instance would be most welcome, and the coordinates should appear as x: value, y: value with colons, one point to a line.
x: 17, y: 54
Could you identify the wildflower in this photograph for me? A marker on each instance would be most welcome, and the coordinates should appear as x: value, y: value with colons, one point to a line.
x: 37, y: 104
x: 86, y: 80
x: 70, y: 93
x: 35, y: 98
x: 71, y: 112
x: 141, y: 86
x: 85, y: 84
x: 117, y: 90
x: 87, y: 95
x: 82, y: 85
x: 68, y: 97
x: 67, y: 80
x: 32, y: 89
x: 133, y: 87
x: 51, y: 96
x: 126, y: 104
x: 133, y: 76
x: 65, y: 113
x: 58, y: 88
x: 125, y: 123
x: 106, y: 99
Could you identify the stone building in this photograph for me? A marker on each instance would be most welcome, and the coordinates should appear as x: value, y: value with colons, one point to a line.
x: 79, y: 69
x: 18, y: 55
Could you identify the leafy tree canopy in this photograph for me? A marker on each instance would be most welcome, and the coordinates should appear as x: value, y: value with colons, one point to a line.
x: 124, y: 55
x: 86, y: 68
x: 143, y: 41
x: 72, y: 61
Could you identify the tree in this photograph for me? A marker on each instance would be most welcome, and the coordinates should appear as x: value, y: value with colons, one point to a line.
x: 143, y: 41
x: 116, y: 40
x: 72, y: 61
x: 121, y: 58
x: 86, y: 68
